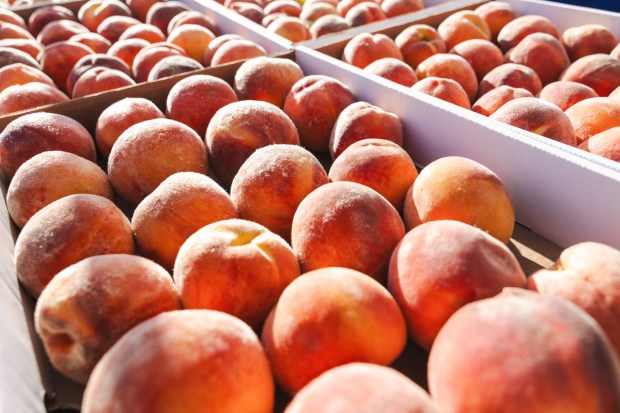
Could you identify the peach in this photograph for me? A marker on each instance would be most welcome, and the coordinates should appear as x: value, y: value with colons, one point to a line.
x: 19, y: 74
x: 65, y: 232
x: 511, y: 74
x: 28, y: 96
x: 235, y: 266
x: 557, y: 358
x: 516, y: 30
x: 313, y: 104
x: 9, y: 16
x: 271, y: 184
x: 181, y: 205
x: 118, y: 117
x: 192, y: 17
x: 430, y: 284
x: 291, y: 28
x: 393, y: 8
x: 140, y: 8
x: 147, y: 153
x: 9, y: 55
x: 58, y: 59
x: 488, y: 103
x: 364, y: 13
x: 205, y: 94
x: 346, y: 224
x: 192, y: 38
x: 95, y: 41
x: 161, y: 13
x: 378, y: 164
x: 463, y: 25
x: 69, y: 317
x: 482, y: 55
x: 126, y: 50
x: 149, y: 55
x: 249, y: 11
x: 588, y: 39
x: 344, y: 6
x: 289, y: 7
x: 236, y: 49
x: 94, y: 12
x: 60, y: 30
x: 239, y: 128
x: 450, y: 66
x: 310, y: 14
x: 394, y: 70
x: 46, y: 14
x: 100, y: 79
x: 599, y: 71
x: 266, y: 78
x: 49, y: 176
x: 13, y: 31
x: 361, y: 120
x: 34, y: 133
x: 565, y: 93
x: 173, y: 65
x: 95, y: 60
x: 216, y: 44
x: 366, y: 387
x: 328, y: 24
x: 228, y: 3
x: 327, y: 318
x: 445, y: 89
x: 461, y: 189
x: 144, y: 31
x: 593, y: 116
x: 496, y: 14
x: 418, y: 42
x: 226, y: 369
x: 543, y: 53
x: 365, y: 48
x: 30, y: 46
x: 539, y: 117
x: 114, y: 26
x: 270, y: 18
x: 605, y: 144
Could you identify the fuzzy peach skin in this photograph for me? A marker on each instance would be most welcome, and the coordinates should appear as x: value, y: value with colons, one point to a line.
x: 362, y: 387
x: 450, y: 66
x: 89, y: 305
x: 496, y: 98
x: 311, y: 12
x: 365, y: 48
x: 344, y: 6
x: 346, y: 224
x: 605, y: 144
x: 139, y: 8
x: 588, y: 39
x: 118, y: 117
x: 34, y: 133
x: 148, y: 56
x: 565, y: 93
x: 216, y: 44
x: 599, y: 71
x: 193, y: 17
x: 445, y: 89
x: 100, y: 79
x: 361, y: 120
x: 19, y: 74
x: 543, y: 53
x: 182, y: 204
x: 235, y: 266
x: 240, y: 128
x: 237, y: 49
x: 364, y: 13
x: 482, y: 55
x: 248, y: 10
x: 10, y: 55
x: 440, y: 266
x: 418, y: 42
x: 313, y: 104
x: 46, y: 14
x: 291, y: 28
x: 593, y: 116
x: 9, y: 16
x: 393, y: 69
x: 496, y: 14
x: 65, y: 232
x: 588, y: 275
x: 463, y: 25
x: 94, y: 12
x: 114, y: 26
x: 126, y: 50
x: 59, y: 30
x: 29, y: 46
x: 148, y: 152
x: 329, y: 317
x: 49, y: 176
x: 94, y: 60
x: 58, y: 59
x: 511, y: 74
x: 379, y: 164
x: 190, y: 361
x: 266, y: 78
x: 193, y: 38
x: 461, y: 189
x: 13, y: 31
x: 516, y: 30
x: 539, y: 117
x: 144, y: 31
x: 28, y: 96
x: 161, y: 13
x: 95, y: 41
x: 289, y: 7
x: 393, y: 8
x: 325, y: 25
x: 522, y: 351
x: 173, y: 65
x: 271, y: 184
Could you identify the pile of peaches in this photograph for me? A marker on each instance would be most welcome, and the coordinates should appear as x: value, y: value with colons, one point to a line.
x: 519, y: 70
x: 277, y: 236
x: 109, y: 44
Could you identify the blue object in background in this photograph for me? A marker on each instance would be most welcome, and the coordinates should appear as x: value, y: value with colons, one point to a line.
x: 613, y: 5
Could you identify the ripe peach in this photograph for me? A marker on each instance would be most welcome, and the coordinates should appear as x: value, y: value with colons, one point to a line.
x: 599, y: 71
x: 516, y: 30
x: 69, y: 317
x: 58, y: 59
x: 365, y: 48
x: 193, y: 17
x: 114, y: 26
x: 205, y: 94
x: 511, y: 74
x: 28, y: 96
x: 140, y: 8
x: 327, y: 318
x: 394, y: 70
x: 100, y: 79
x: 126, y: 50
x: 463, y: 25
x: 272, y: 182
x: 445, y: 89
x: 268, y: 19
x: 418, y: 42
x: 236, y: 49
x: 94, y: 60
x: 291, y: 28
x: 13, y: 31
x: 557, y: 358
x: 605, y: 144
x: 328, y: 24
x: 119, y: 116
x: 34, y: 133
x: 65, y: 232
x: 19, y: 74
x: 539, y: 117
x: 496, y: 14
x: 30, y: 46
x: 59, y: 30
x: 344, y: 6
x: 10, y: 55
x: 173, y: 65
x: 430, y: 284
x: 249, y: 11
x: 346, y: 224
x: 9, y: 16
x: 181, y: 205
x: 450, y: 66
x: 144, y: 31
x: 364, y: 13
x: 310, y: 13
x: 161, y: 13
x: 226, y: 370
x: 588, y: 39
x: 46, y: 14
x: 461, y: 189
x: 216, y: 44
x: 488, y: 103
x: 565, y: 93
x: 50, y: 176
x: 289, y: 7
x: 543, y: 53
x: 192, y: 38
x: 592, y: 116
x: 94, y: 12
x: 393, y: 8
x: 95, y: 41
x: 482, y: 55
x: 148, y: 56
